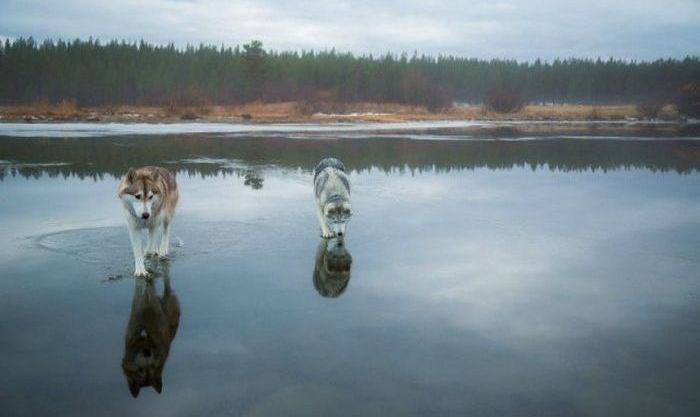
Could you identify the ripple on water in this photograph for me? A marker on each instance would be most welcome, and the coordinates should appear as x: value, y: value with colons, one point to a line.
x: 110, y: 246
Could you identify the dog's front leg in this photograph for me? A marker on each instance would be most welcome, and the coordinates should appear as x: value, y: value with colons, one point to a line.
x: 136, y: 237
x: 155, y: 234
x: 326, y: 231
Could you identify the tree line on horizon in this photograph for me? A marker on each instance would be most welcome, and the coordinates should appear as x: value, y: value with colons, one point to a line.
x: 95, y: 73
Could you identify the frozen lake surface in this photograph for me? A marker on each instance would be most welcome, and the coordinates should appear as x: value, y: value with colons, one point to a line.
x: 499, y: 277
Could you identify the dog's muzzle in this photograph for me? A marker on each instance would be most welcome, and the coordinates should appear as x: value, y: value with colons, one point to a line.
x: 338, y: 228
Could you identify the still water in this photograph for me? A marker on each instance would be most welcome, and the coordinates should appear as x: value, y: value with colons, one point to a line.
x: 555, y: 276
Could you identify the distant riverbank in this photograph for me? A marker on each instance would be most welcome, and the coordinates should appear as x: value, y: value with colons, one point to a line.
x: 299, y: 112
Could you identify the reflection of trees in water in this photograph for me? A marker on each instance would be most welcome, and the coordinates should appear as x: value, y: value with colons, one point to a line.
x: 97, y: 158
x: 253, y: 179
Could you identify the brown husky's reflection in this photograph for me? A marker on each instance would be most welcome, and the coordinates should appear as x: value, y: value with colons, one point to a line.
x: 332, y: 267
x: 152, y: 328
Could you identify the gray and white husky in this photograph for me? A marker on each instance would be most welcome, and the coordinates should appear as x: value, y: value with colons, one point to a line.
x: 149, y: 196
x: 332, y: 267
x: 332, y: 190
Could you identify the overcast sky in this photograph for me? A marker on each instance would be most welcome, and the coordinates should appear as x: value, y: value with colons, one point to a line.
x: 524, y: 29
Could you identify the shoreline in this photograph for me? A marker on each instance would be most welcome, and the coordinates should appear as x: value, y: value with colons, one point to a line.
x: 289, y: 112
x: 513, y: 130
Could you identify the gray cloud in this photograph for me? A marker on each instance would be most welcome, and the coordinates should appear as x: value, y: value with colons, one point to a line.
x: 514, y: 29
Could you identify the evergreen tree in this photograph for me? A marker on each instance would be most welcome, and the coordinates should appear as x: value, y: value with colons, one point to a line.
x: 95, y: 73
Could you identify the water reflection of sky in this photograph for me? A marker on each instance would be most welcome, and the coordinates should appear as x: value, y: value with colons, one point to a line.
x: 473, y: 292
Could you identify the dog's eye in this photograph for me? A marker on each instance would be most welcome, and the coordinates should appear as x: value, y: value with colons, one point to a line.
x: 138, y: 196
x: 150, y: 197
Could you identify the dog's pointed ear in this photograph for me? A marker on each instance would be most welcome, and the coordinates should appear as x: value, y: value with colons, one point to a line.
x: 131, y: 174
x: 158, y: 385
x: 134, y: 388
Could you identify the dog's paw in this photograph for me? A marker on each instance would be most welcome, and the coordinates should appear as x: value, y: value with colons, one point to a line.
x: 327, y: 235
x: 142, y: 274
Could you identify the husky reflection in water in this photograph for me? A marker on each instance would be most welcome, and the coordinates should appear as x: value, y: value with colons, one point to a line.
x: 152, y: 327
x: 332, y: 267
x: 332, y: 190
x: 149, y: 196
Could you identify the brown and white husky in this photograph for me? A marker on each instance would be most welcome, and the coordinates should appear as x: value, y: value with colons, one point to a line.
x: 149, y: 196
x: 152, y: 327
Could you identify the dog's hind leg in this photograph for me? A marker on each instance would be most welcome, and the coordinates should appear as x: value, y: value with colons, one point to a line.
x: 136, y: 237
x: 163, y: 244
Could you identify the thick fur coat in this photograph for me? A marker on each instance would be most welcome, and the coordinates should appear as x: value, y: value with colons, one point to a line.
x: 332, y: 192
x: 149, y: 196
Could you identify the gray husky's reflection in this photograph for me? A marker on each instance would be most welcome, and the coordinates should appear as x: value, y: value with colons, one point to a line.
x: 152, y: 327
x: 332, y: 268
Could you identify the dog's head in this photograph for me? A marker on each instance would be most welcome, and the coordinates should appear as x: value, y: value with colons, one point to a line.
x: 337, y: 212
x: 143, y: 365
x: 141, y: 191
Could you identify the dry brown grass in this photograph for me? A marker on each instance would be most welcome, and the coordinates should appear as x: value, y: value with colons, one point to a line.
x: 260, y: 111
x: 43, y: 109
x: 579, y: 112
x: 292, y: 112
x: 575, y: 112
